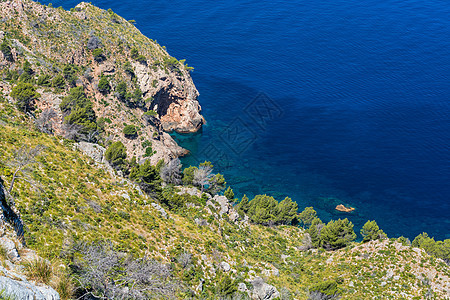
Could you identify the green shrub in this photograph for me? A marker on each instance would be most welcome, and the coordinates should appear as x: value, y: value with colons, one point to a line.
x: 69, y: 72
x: 150, y: 113
x: 134, y: 53
x: 324, y: 290
x: 98, y: 54
x: 6, y: 50
x: 44, y: 80
x: 121, y: 90
x: 78, y: 110
x: 58, y: 82
x: 24, y: 93
x: 130, y: 131
x: 103, y: 85
x: 116, y: 154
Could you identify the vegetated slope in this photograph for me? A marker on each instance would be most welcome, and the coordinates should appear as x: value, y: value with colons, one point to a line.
x: 105, y: 81
x: 128, y: 78
x: 70, y: 200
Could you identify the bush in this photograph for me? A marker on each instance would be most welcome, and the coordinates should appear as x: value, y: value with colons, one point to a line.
x: 39, y: 270
x: 134, y: 53
x: 103, y: 85
x: 116, y: 154
x: 44, y: 80
x: 130, y: 131
x: 121, y: 90
x: 324, y: 291
x: 58, y: 82
x: 24, y: 93
x: 78, y: 110
x: 6, y: 50
x: 98, y: 55
x: 69, y: 72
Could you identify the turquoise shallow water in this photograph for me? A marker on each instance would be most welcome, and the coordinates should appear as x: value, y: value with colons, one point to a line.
x: 327, y: 102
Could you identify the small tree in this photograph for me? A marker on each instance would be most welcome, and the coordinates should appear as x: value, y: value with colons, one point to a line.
x: 370, y: 231
x: 287, y: 211
x: 44, y: 80
x: 171, y: 173
x: 263, y: 210
x: 130, y: 131
x: 315, y: 231
x: 22, y: 163
x: 24, y: 93
x: 307, y: 216
x: 188, y: 175
x: 229, y: 194
x: 202, y: 176
x: 121, y: 91
x: 337, y: 234
x: 116, y: 155
x: 103, y: 85
x: 243, y: 206
x: 58, y: 82
x: 6, y: 50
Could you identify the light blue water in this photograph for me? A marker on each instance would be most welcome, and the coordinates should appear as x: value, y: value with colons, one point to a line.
x: 354, y: 106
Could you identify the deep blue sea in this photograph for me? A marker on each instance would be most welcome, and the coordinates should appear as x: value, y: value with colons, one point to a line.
x: 327, y: 102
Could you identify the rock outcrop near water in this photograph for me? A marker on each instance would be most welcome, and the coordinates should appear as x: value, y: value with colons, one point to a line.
x: 98, y: 50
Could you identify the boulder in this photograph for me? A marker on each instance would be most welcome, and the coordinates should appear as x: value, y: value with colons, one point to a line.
x: 342, y: 208
x: 94, y: 151
x: 10, y: 249
x: 25, y: 290
x: 223, y: 202
x: 263, y: 291
x: 242, y: 287
x: 94, y: 43
x: 225, y: 266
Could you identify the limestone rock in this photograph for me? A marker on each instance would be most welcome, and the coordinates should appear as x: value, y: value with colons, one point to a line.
x: 10, y: 248
x: 223, y: 202
x: 242, y: 287
x: 263, y: 291
x: 225, y: 266
x: 160, y: 209
x: 24, y: 290
x: 342, y: 208
x: 94, y: 151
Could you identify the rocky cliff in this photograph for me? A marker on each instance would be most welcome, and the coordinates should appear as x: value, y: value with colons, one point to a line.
x: 88, y: 44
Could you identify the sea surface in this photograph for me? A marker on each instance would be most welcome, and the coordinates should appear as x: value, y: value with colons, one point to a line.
x: 327, y: 102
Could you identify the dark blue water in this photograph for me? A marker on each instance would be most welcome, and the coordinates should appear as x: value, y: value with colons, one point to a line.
x: 327, y: 102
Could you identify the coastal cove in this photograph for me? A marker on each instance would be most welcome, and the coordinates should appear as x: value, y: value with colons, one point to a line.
x: 327, y: 103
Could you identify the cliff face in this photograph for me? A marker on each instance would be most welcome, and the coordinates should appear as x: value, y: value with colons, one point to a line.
x: 58, y: 42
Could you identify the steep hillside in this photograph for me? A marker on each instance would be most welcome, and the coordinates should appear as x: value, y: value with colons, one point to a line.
x: 114, y: 226
x: 130, y: 79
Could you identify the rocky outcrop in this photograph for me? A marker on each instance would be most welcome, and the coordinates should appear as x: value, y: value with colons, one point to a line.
x: 342, y: 208
x: 25, y: 290
x: 263, y: 291
x: 174, y: 97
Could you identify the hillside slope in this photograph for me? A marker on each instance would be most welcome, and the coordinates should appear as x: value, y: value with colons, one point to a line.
x: 139, y: 233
